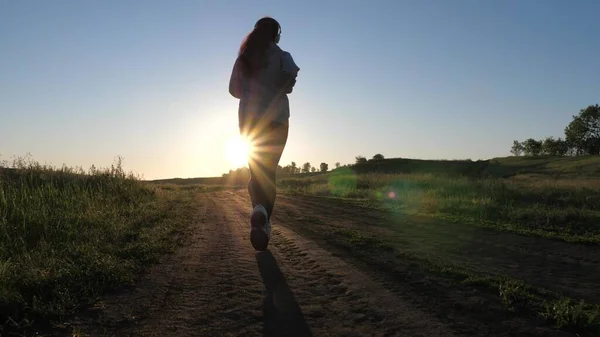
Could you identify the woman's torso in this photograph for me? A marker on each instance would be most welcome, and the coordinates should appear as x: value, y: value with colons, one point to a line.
x: 263, y: 96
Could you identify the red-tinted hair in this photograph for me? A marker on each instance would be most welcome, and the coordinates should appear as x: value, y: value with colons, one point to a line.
x: 253, y: 49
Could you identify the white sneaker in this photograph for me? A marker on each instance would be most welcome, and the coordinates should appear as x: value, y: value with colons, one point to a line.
x: 260, y: 228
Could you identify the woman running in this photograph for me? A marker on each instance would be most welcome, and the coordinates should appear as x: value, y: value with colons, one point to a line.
x: 262, y: 77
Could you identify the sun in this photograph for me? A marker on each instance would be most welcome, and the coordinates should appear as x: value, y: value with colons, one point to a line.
x: 238, y: 150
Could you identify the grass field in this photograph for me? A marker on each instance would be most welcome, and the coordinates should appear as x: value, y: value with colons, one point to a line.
x: 547, y: 197
x: 550, y: 197
x: 68, y: 235
x: 553, y: 198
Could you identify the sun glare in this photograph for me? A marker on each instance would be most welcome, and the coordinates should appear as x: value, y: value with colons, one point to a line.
x: 237, y: 151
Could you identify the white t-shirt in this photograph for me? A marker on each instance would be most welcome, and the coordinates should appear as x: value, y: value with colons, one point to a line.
x: 265, y: 96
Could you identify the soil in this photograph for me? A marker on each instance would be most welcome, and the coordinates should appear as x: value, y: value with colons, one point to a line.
x: 217, y: 285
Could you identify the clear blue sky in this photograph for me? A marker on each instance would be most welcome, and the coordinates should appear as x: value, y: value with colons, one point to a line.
x: 84, y: 81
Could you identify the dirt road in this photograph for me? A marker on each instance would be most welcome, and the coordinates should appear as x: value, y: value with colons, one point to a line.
x: 570, y: 269
x: 217, y: 285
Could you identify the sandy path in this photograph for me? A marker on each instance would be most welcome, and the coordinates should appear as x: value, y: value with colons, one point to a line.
x: 217, y: 285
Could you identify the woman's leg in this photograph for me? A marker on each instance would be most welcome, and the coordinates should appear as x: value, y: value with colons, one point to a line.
x: 279, y: 137
x: 250, y: 130
x: 269, y: 145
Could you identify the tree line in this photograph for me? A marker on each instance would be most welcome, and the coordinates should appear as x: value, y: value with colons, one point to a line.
x: 292, y: 168
x: 582, y: 137
x: 307, y: 167
x: 243, y: 173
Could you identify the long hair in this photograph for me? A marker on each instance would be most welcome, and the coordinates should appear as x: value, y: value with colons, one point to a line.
x: 253, y: 49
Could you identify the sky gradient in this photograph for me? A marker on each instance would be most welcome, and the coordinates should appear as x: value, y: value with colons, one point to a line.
x: 83, y: 82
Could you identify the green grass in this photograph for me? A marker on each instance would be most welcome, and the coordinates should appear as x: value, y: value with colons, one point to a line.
x: 523, y: 195
x: 543, y: 196
x: 67, y: 236
x: 197, y: 188
x: 543, y: 166
x: 515, y: 296
x: 190, y: 181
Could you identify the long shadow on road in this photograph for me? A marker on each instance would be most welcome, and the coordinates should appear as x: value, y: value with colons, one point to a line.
x: 282, y: 313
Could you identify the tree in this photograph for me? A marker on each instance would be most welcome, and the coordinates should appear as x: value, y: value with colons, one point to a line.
x: 313, y: 169
x: 583, y: 133
x: 361, y: 160
x: 306, y: 167
x: 532, y: 147
x: 294, y: 168
x: 324, y: 167
x: 517, y: 148
x: 337, y: 165
x: 554, y: 147
x: 378, y: 156
x: 238, y: 176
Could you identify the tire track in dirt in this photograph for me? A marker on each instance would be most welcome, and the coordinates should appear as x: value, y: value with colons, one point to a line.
x: 337, y: 299
x: 217, y: 285
x: 571, y: 269
x: 413, y: 297
x: 373, y: 217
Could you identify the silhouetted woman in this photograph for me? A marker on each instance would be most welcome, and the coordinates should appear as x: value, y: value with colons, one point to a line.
x: 262, y: 76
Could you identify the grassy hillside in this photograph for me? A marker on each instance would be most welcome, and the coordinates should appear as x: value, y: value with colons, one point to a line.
x: 66, y: 236
x: 584, y: 167
x: 541, y: 166
x: 544, y: 167
x: 556, y: 197
x: 551, y: 197
x: 190, y: 181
